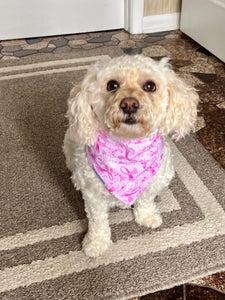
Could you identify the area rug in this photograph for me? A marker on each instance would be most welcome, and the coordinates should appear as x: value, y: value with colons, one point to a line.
x: 42, y: 219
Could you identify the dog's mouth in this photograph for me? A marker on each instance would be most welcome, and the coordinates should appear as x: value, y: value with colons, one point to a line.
x: 130, y: 120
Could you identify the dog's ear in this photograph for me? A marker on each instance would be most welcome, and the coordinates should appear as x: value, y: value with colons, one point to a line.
x: 182, y: 105
x: 83, y: 124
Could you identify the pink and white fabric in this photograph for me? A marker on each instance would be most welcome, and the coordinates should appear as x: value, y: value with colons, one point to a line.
x: 126, y: 167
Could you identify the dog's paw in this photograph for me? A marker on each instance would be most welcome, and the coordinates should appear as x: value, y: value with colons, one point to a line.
x: 148, y: 218
x: 95, y: 246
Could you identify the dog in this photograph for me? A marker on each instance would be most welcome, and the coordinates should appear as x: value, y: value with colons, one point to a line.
x: 115, y: 143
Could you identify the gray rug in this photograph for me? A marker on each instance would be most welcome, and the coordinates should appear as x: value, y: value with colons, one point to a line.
x: 42, y: 220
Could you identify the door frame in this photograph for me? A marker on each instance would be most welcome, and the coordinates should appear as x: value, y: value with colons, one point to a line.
x: 133, y: 16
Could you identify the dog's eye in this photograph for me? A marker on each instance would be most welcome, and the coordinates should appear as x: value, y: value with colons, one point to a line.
x: 149, y: 87
x: 112, y: 85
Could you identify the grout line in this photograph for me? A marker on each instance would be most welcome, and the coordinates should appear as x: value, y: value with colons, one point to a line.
x: 184, y: 291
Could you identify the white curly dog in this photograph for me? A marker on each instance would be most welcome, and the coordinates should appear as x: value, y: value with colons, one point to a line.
x: 114, y: 144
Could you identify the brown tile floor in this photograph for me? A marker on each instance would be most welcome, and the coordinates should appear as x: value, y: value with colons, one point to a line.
x: 201, y: 68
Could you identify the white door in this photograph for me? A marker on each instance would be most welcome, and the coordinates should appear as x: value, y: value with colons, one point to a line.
x: 34, y: 18
x: 204, y: 21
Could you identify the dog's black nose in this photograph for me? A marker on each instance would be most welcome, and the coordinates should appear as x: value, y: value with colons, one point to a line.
x: 129, y: 105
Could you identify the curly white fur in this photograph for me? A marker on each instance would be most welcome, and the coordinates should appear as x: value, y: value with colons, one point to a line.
x: 170, y: 109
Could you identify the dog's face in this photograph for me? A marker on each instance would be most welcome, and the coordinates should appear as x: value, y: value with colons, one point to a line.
x: 132, y: 97
x: 132, y: 100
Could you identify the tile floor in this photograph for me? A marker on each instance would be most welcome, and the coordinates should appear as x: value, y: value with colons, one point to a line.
x: 204, y: 70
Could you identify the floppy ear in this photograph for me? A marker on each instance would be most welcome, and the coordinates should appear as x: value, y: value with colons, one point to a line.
x: 83, y: 124
x: 182, y: 107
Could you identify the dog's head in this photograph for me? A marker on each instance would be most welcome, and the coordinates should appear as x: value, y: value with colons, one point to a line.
x: 131, y: 97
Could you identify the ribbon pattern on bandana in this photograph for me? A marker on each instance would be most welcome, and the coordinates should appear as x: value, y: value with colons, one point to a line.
x: 126, y: 167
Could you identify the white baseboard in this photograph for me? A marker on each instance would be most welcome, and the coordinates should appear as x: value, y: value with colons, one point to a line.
x: 162, y: 22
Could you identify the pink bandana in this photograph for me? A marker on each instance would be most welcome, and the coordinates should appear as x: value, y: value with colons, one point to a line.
x: 126, y: 167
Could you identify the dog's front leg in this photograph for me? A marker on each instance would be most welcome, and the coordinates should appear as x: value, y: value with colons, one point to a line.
x: 146, y: 213
x: 98, y: 237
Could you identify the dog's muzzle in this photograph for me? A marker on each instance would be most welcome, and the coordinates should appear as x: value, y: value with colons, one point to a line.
x: 129, y: 106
